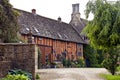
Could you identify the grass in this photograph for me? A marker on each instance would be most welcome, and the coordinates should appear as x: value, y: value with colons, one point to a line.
x: 110, y: 77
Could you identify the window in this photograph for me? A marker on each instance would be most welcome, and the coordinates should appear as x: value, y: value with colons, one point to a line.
x: 79, y: 54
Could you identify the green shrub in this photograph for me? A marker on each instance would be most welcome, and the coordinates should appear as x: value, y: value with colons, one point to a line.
x: 15, y: 77
x: 73, y: 64
x: 80, y: 63
x: 64, y: 62
x: 37, y: 77
x: 58, y: 66
x: 118, y: 68
x: 93, y: 57
x: 110, y: 65
x: 20, y: 72
x: 68, y: 63
x: 110, y: 77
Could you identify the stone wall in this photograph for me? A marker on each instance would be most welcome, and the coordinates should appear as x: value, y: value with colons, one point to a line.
x: 18, y: 56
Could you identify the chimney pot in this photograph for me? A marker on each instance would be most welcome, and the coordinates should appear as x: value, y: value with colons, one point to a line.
x: 59, y: 19
x: 34, y: 11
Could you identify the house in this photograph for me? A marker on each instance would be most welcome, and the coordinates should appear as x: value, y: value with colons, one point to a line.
x: 56, y: 39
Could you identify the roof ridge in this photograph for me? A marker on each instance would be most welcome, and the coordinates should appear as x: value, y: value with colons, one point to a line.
x: 41, y: 16
x: 46, y: 27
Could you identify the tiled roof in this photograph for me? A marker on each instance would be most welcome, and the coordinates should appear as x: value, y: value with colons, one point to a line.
x: 46, y: 27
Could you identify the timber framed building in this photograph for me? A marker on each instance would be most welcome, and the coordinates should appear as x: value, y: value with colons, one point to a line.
x: 56, y: 39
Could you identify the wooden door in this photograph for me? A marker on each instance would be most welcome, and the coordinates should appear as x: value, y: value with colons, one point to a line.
x: 46, y: 53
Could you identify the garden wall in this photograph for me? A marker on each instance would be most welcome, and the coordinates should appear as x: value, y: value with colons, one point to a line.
x: 18, y: 56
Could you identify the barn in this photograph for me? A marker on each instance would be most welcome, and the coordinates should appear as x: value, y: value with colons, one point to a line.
x: 56, y: 39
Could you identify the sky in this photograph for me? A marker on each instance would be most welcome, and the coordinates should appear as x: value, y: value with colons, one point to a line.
x: 51, y: 8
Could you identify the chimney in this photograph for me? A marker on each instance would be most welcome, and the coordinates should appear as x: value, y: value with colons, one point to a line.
x: 75, y: 16
x: 75, y: 8
x: 59, y: 19
x: 34, y: 11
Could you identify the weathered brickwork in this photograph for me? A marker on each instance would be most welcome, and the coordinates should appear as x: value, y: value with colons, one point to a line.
x: 17, y: 56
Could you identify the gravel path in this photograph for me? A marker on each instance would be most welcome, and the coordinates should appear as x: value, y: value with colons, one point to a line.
x: 72, y: 73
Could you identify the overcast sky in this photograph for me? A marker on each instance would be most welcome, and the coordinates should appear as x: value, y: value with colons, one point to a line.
x: 51, y: 8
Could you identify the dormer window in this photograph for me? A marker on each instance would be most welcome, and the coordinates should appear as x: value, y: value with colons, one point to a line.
x: 27, y: 29
x: 59, y: 35
x: 36, y: 29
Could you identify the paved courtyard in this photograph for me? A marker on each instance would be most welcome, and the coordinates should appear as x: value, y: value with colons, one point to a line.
x: 72, y: 73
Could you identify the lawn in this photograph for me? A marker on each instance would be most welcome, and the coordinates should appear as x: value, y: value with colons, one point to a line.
x: 110, y: 77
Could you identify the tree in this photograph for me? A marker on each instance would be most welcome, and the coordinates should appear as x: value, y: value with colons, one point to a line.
x: 8, y: 22
x: 93, y: 57
x: 104, y: 30
x: 111, y: 58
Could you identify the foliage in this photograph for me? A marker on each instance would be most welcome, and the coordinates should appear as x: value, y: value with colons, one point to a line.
x: 118, y: 68
x: 111, y: 59
x: 68, y: 63
x: 39, y: 59
x: 73, y: 64
x: 110, y: 77
x: 104, y: 30
x: 8, y: 22
x: 37, y: 77
x: 20, y: 72
x: 80, y: 62
x: 77, y: 64
x: 64, y: 62
x: 15, y: 77
x: 93, y: 57
x: 58, y: 66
